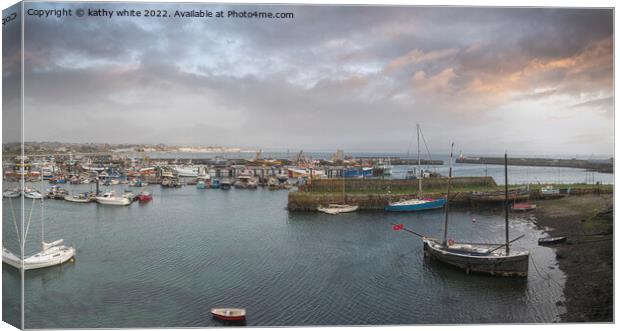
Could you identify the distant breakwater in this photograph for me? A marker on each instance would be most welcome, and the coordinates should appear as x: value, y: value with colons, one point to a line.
x: 606, y: 167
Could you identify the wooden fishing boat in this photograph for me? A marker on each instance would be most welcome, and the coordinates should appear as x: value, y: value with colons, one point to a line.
x: 523, y: 206
x: 492, y: 259
x: 551, y: 240
x: 478, y: 258
x: 229, y: 314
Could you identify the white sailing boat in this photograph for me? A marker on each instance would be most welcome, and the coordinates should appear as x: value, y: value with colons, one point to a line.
x: 335, y: 209
x: 32, y: 194
x: 51, y: 254
x: 12, y: 193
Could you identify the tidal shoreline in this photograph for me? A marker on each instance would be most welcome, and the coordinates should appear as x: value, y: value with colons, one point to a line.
x: 587, y: 256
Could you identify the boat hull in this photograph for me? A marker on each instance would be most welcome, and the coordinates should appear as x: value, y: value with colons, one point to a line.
x: 427, y: 205
x: 335, y: 210
x: 114, y: 202
x: 228, y: 314
x: 508, y: 266
x: 60, y: 256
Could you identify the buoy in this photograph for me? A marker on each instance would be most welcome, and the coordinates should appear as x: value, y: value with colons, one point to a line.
x: 450, y: 242
x: 72, y: 260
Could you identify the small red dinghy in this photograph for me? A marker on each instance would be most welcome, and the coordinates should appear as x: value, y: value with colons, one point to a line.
x: 229, y: 314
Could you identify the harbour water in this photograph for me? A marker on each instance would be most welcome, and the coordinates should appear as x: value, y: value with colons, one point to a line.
x: 166, y: 262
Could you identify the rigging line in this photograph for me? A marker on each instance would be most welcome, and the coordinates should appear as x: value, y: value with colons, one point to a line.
x: 29, y: 220
x: 15, y: 221
x: 410, y: 143
x: 428, y: 152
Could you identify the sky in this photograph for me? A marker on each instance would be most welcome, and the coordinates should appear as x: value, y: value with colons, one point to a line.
x: 357, y: 78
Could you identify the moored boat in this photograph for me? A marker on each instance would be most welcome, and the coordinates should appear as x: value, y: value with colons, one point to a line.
x: 334, y: 209
x: 551, y: 240
x: 110, y: 198
x: 32, y: 194
x: 523, y: 206
x: 145, y: 196
x: 80, y: 198
x: 415, y: 205
x: 549, y: 191
x: 492, y: 259
x: 225, y: 184
x: 51, y: 254
x: 229, y: 314
x: 215, y: 183
x: 12, y: 193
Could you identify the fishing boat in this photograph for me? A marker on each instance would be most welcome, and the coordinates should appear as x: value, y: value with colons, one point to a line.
x: 12, y: 193
x: 492, y: 259
x: 334, y: 209
x: 229, y: 314
x: 31, y: 193
x: 80, y: 198
x: 110, y: 198
x: 551, y: 240
x: 419, y: 203
x: 145, y: 196
x: 523, y: 206
x: 51, y: 254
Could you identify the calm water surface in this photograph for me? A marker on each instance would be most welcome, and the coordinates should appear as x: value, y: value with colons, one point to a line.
x: 166, y: 262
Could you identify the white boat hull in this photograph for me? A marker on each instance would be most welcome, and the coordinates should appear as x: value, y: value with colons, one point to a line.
x: 50, y: 257
x: 114, y: 201
x: 337, y: 209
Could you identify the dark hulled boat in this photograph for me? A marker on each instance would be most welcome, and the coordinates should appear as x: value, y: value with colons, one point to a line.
x: 478, y: 258
x: 493, y: 259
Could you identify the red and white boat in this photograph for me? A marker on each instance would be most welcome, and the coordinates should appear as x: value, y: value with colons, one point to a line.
x: 523, y: 206
x: 145, y: 196
x: 229, y: 314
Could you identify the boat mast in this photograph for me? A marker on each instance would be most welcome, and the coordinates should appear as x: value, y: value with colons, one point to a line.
x: 447, y: 210
x: 506, y: 201
x: 419, y: 164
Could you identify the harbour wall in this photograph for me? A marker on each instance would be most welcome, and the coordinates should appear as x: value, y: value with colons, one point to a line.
x: 309, y: 201
x: 384, y: 185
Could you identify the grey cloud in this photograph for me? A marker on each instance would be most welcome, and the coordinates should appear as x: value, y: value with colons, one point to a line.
x: 319, y: 79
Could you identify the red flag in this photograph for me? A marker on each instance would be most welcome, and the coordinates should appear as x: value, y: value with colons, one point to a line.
x: 397, y: 227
